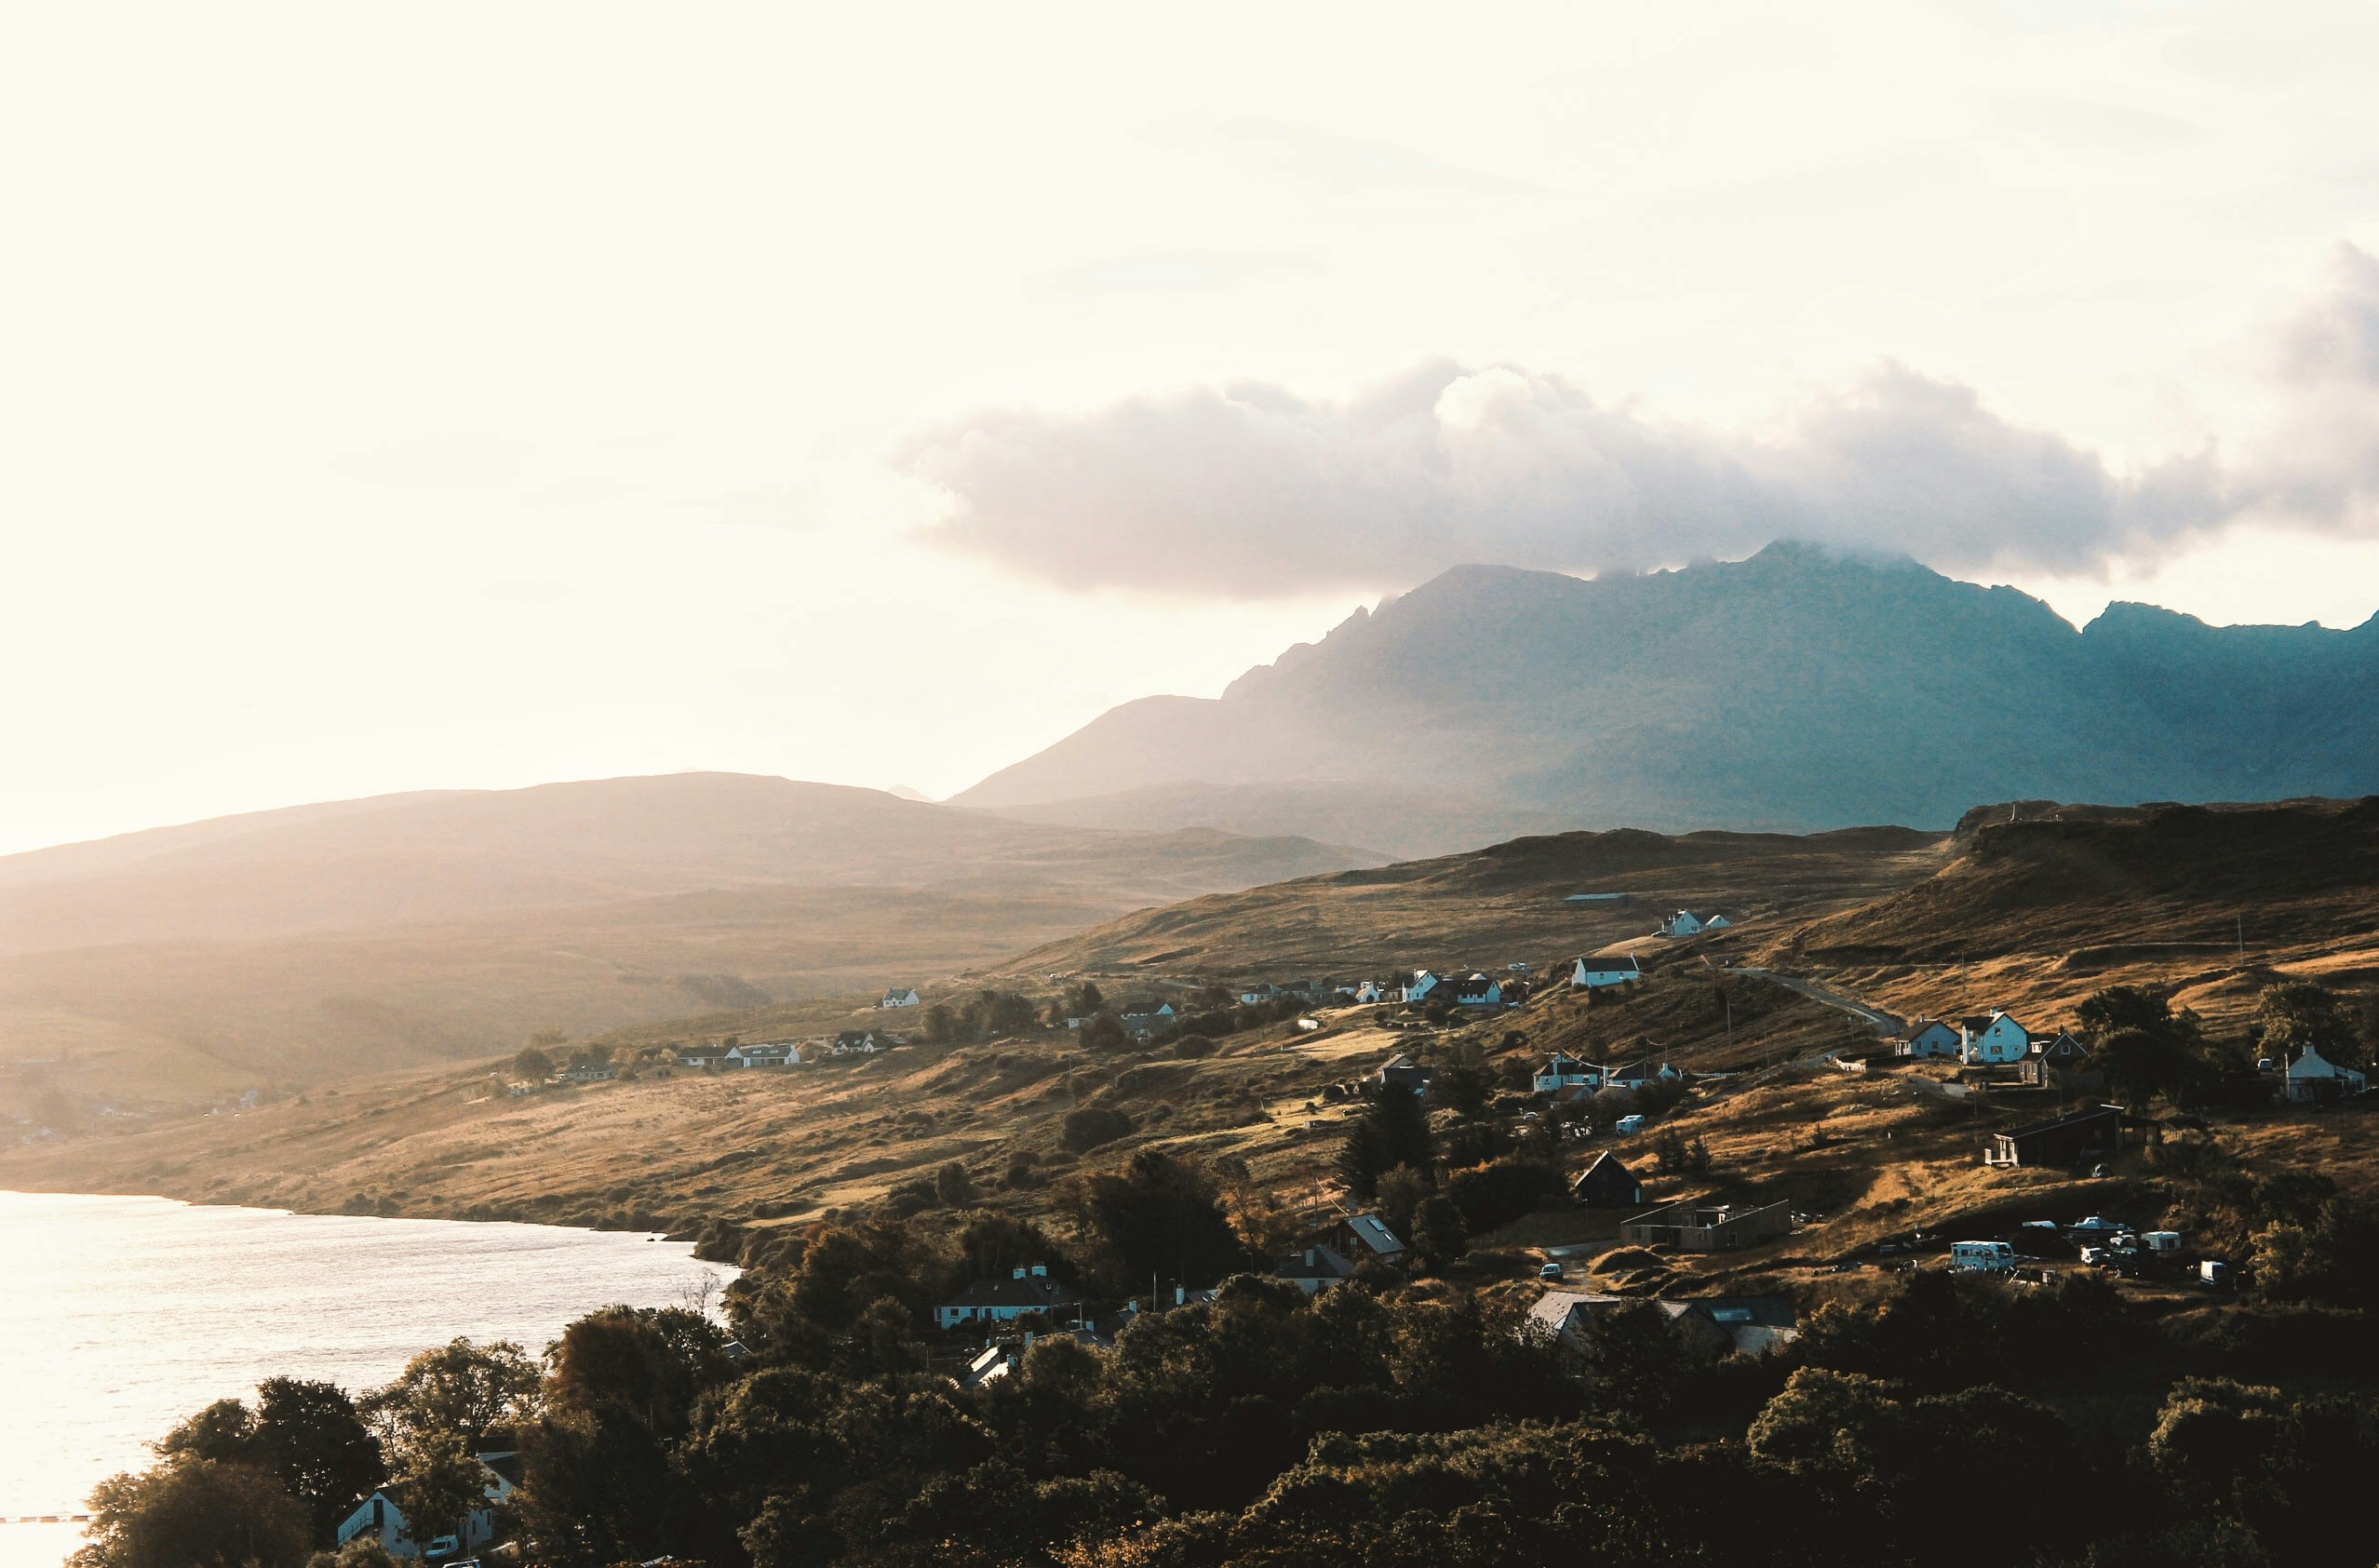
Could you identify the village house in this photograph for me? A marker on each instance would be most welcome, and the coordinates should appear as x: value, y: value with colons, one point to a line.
x: 1402, y: 1070
x: 1607, y: 1184
x: 1371, y: 991
x: 1714, y: 1325
x: 1995, y: 1041
x: 1366, y: 1237
x: 1254, y: 996
x: 378, y: 1518
x: 898, y: 996
x: 1562, y: 1072
x: 1925, y: 1037
x: 857, y: 1042
x: 1315, y: 1269
x: 701, y: 1055
x: 2059, y: 1058
x: 763, y: 1053
x: 2313, y: 1078
x: 588, y: 1072
x: 1026, y: 1291
x: 1587, y: 973
x: 1708, y: 1228
x: 1478, y: 991
x: 2061, y: 1142
x: 1143, y: 1019
x: 1684, y: 922
x: 1418, y: 986
x: 1640, y: 1072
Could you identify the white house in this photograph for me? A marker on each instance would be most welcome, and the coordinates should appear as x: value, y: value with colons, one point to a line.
x: 1478, y: 991
x: 1419, y: 987
x: 763, y: 1053
x: 1371, y: 991
x: 1255, y: 994
x: 1636, y: 1074
x: 1994, y: 1042
x: 1926, y: 1036
x: 897, y: 997
x: 1025, y: 1292
x: 2313, y: 1077
x: 1565, y: 1072
x: 1586, y: 973
x: 856, y: 1042
x: 378, y: 1516
x: 1141, y: 1023
x: 1315, y: 1269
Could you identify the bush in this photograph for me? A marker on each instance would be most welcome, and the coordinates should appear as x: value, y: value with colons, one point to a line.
x: 1496, y: 1194
x: 1093, y: 1125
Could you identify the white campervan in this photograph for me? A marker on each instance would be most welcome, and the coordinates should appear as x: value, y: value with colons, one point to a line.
x: 1990, y: 1257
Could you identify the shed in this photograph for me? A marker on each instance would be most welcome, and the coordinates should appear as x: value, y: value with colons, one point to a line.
x: 1607, y: 1184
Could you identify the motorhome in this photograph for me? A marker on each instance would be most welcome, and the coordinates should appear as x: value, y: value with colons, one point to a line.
x: 1988, y: 1257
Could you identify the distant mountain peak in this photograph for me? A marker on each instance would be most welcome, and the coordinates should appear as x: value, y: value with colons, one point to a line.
x: 1807, y: 687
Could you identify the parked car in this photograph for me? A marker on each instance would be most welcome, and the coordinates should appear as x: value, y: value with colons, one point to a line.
x: 2095, y: 1225
x: 1550, y: 1271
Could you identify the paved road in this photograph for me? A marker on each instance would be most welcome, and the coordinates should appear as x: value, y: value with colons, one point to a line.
x: 1881, y: 1022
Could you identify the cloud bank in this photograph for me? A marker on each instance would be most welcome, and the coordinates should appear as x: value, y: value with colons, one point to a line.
x: 1248, y: 490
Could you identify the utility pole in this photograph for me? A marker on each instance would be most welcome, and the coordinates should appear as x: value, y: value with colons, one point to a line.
x: 2242, y: 936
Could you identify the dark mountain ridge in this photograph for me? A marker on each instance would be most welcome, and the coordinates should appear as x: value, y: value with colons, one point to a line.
x: 1799, y: 689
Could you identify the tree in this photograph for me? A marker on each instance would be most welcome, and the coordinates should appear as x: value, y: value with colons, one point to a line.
x: 2299, y: 1016
x: 315, y: 1441
x: 1439, y: 1235
x: 436, y: 1480
x: 1105, y: 1032
x: 1464, y: 1084
x: 224, y: 1431
x: 953, y: 1186
x: 193, y: 1512
x: 460, y: 1388
x: 1086, y: 1128
x: 1393, y: 1130
x: 363, y: 1551
x: 941, y: 1025
x: 533, y: 1064
x: 1399, y: 1193
x: 2140, y: 1065
x: 1159, y: 1215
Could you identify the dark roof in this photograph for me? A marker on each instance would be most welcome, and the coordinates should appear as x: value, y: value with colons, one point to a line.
x: 1325, y: 1265
x: 2074, y: 1119
x: 1606, y: 1158
x: 1768, y: 1311
x: 1037, y: 1292
x: 853, y: 1036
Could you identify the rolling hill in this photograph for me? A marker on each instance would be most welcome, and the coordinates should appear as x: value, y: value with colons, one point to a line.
x: 295, y: 947
x: 1799, y: 689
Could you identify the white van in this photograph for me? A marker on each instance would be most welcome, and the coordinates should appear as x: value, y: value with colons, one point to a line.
x: 1989, y: 1257
x: 1626, y: 1125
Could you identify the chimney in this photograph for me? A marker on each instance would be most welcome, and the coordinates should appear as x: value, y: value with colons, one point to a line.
x: 1018, y: 1275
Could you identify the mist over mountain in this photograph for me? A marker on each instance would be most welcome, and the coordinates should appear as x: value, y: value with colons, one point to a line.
x: 1798, y: 689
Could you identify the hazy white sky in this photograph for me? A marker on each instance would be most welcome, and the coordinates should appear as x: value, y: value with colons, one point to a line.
x: 485, y: 394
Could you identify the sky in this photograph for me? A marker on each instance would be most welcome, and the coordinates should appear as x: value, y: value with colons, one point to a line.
x: 483, y: 394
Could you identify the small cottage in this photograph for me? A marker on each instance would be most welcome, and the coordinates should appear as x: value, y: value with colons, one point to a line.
x: 1607, y: 1184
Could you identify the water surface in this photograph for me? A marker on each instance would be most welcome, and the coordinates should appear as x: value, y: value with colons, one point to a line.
x: 119, y: 1315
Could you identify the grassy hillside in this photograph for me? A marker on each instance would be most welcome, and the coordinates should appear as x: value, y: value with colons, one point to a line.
x: 1874, y: 1154
x: 298, y: 947
x: 1505, y: 903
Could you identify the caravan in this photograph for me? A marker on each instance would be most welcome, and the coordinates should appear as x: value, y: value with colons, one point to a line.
x: 1983, y: 1257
